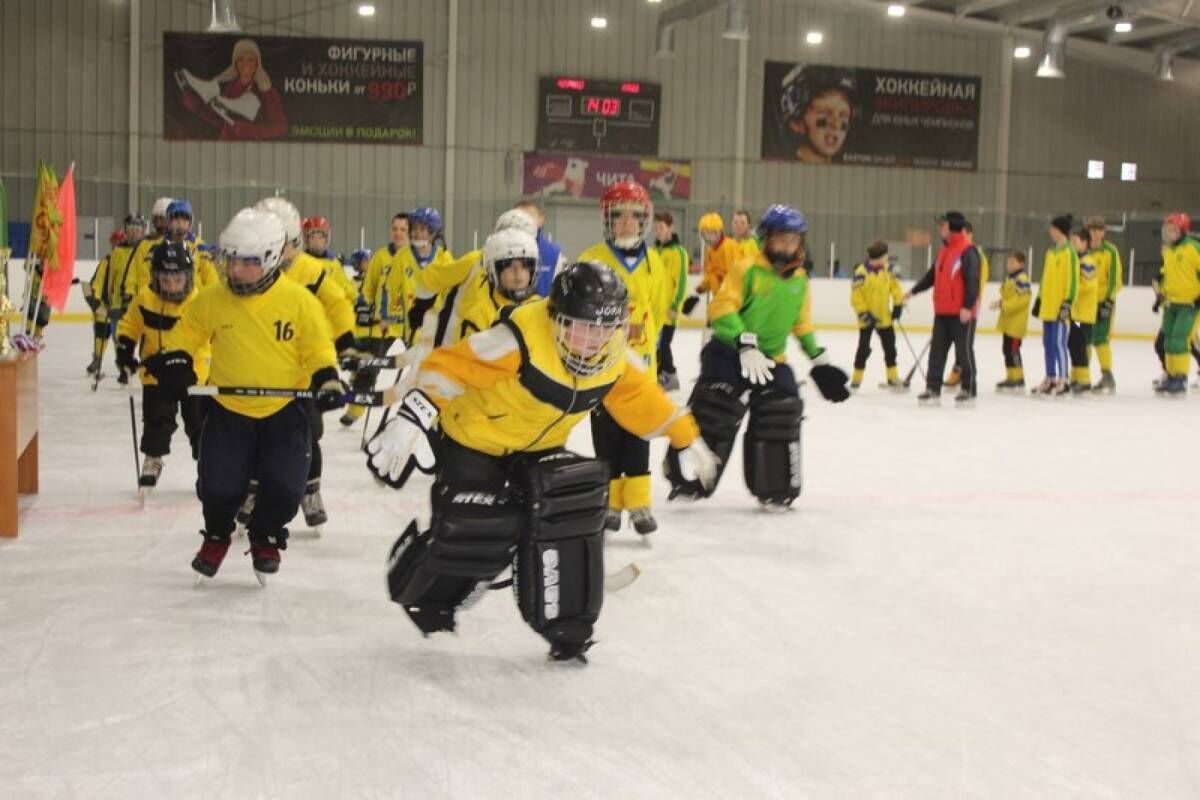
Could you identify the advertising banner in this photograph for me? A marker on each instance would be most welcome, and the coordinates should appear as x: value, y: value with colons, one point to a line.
x: 555, y: 175
x: 818, y: 114
x: 233, y: 87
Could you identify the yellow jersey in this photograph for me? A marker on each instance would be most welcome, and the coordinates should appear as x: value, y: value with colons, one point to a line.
x: 646, y: 280
x: 875, y: 291
x: 276, y: 339
x: 152, y: 324
x: 505, y: 390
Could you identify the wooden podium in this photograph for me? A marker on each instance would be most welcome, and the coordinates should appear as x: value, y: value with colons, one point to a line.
x: 18, y: 436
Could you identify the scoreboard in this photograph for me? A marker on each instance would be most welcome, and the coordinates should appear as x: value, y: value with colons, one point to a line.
x: 594, y: 116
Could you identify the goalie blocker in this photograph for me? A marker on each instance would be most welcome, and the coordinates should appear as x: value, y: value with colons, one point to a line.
x: 543, y: 513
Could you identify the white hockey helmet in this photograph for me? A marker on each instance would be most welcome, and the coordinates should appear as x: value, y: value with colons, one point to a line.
x: 159, y: 209
x: 502, y: 248
x: 516, y: 219
x: 287, y: 215
x: 252, y: 234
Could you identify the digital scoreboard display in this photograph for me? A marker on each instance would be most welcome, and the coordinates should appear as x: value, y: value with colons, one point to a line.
x: 595, y: 116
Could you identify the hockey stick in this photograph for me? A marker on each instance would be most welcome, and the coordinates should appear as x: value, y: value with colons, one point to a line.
x: 137, y: 468
x: 917, y: 363
x: 613, y: 581
x: 385, y: 398
x: 399, y: 361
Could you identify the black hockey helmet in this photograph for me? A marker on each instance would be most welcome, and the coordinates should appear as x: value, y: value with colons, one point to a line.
x: 172, y: 271
x: 589, y: 305
x: 591, y: 292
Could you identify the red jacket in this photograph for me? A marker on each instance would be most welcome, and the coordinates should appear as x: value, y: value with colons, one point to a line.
x: 950, y: 287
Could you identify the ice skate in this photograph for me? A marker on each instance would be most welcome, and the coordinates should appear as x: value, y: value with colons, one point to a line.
x: 265, y: 558
x: 243, y: 514
x: 1043, y: 389
x: 1107, y: 384
x: 151, y: 468
x: 773, y: 505
x: 1060, y: 389
x: 570, y: 651
x: 612, y: 520
x: 669, y: 381
x: 929, y: 398
x: 93, y: 366
x: 208, y: 559
x: 313, y: 506
x: 964, y: 399
x: 896, y: 386
x: 643, y: 522
x: 1080, y: 389
x: 1175, y: 388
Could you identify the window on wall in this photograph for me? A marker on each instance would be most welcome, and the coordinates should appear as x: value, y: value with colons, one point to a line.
x: 1095, y: 170
x: 1128, y: 171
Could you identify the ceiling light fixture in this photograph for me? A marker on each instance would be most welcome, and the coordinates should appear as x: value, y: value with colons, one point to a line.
x: 896, y: 10
x: 366, y: 10
x: 599, y: 23
x: 814, y: 37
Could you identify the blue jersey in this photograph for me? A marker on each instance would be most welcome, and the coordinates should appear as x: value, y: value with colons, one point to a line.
x: 548, y: 255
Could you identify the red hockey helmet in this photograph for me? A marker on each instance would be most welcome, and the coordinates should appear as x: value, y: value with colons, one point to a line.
x: 116, y: 238
x: 313, y: 224
x: 1180, y: 220
x: 622, y: 197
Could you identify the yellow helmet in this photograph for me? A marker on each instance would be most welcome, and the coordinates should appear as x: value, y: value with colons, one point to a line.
x: 711, y: 222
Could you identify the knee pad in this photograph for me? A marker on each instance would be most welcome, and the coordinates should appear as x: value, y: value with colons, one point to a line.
x: 718, y: 410
x: 558, y: 577
x: 771, y: 449
x: 472, y: 539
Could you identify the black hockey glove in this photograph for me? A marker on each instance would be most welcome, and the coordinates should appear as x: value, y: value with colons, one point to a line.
x: 896, y: 312
x: 831, y: 381
x: 1105, y: 310
x: 1158, y: 301
x: 1064, y: 311
x: 867, y: 319
x: 173, y: 370
x: 330, y: 390
x: 126, y: 362
x: 1037, y: 307
x: 690, y: 304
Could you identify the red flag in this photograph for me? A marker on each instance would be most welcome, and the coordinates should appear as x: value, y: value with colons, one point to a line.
x: 57, y: 281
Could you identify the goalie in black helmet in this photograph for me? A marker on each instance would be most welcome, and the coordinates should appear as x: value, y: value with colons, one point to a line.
x: 504, y: 401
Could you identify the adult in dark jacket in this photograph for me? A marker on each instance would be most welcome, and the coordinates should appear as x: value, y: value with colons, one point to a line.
x: 954, y: 278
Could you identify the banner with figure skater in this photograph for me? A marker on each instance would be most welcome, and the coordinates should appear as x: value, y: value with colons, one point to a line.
x: 254, y: 88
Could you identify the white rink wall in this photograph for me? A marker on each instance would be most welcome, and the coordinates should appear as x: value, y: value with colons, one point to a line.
x: 830, y: 303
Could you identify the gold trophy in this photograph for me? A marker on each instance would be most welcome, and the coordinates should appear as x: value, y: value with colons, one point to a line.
x: 6, y: 306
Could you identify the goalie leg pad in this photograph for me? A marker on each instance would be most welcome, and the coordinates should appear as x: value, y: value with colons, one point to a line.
x: 558, y: 576
x: 472, y: 538
x: 771, y: 448
x: 718, y: 410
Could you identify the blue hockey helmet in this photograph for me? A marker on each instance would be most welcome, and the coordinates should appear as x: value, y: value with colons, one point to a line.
x: 360, y: 256
x: 427, y: 216
x: 782, y: 218
x: 179, y: 208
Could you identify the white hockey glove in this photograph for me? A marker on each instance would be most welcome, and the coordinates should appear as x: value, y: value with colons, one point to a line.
x: 403, y: 444
x: 697, y: 462
x: 756, y: 367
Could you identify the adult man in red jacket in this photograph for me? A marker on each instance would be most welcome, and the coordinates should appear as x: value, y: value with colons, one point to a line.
x: 954, y: 278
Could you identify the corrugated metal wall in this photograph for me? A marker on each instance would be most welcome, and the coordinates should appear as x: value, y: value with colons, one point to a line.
x: 75, y: 106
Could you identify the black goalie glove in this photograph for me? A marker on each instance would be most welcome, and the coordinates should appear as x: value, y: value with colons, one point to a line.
x: 831, y: 381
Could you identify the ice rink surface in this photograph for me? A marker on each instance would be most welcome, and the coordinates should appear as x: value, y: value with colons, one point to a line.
x: 1000, y: 602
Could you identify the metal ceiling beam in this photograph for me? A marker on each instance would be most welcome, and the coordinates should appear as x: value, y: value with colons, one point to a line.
x: 1037, y: 11
x: 1144, y: 31
x: 980, y: 6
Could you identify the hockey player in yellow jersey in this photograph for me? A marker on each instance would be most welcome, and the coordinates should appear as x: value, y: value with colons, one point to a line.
x: 1180, y: 288
x: 506, y: 492
x: 1015, y: 296
x: 1056, y: 293
x: 114, y: 301
x: 129, y: 279
x: 1083, y: 313
x: 384, y: 287
x: 1107, y: 259
x: 268, y: 333
x: 316, y: 232
x: 179, y: 218
x: 300, y: 267
x: 426, y: 254
x: 98, y: 292
x: 626, y: 214
x: 743, y: 233
x: 150, y: 326
x: 675, y: 259
x: 878, y: 300
x: 720, y: 254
